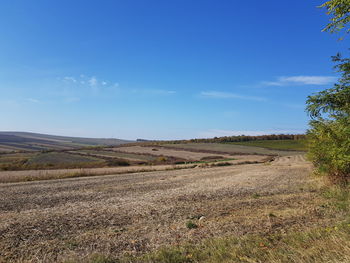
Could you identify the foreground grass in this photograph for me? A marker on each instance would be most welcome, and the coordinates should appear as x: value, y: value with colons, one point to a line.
x: 331, y: 244
x: 290, y: 145
x: 319, y: 244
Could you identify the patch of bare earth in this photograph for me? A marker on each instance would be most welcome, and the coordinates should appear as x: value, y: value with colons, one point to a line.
x: 56, y: 220
x: 163, y: 151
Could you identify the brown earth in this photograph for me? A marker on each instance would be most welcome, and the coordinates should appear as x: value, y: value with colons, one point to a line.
x: 56, y: 220
x: 164, y: 151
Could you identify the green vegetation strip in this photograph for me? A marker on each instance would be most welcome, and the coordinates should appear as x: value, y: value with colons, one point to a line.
x: 290, y: 145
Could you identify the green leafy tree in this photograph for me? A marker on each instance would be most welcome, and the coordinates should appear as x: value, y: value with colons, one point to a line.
x: 335, y: 101
x: 329, y: 135
x: 339, y: 15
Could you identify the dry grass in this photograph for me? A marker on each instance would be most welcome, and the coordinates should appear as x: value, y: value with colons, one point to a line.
x: 54, y: 221
x: 317, y: 245
x: 325, y: 241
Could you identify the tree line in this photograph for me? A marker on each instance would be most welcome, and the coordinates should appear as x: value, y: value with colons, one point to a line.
x: 244, y: 138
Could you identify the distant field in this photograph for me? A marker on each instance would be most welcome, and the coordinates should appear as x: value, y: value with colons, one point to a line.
x: 114, y: 154
x: 23, y: 175
x: 25, y: 141
x: 16, y: 146
x: 137, y: 154
x: 14, y: 157
x: 8, y: 149
x: 52, y: 160
x: 229, y: 148
x: 290, y: 145
x: 176, y: 153
x: 61, y: 158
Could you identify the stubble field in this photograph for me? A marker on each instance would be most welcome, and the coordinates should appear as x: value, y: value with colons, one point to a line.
x: 114, y: 215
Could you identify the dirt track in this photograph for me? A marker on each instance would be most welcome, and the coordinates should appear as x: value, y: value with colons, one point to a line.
x: 72, y: 218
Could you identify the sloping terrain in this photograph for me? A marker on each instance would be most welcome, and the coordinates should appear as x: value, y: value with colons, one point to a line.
x: 69, y: 219
x: 230, y: 148
x: 11, y: 176
x: 25, y: 141
x: 162, y: 151
x: 289, y: 145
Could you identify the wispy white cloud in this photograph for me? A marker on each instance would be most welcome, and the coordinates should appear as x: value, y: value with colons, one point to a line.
x: 301, y: 80
x: 69, y: 79
x: 97, y: 86
x: 222, y: 133
x: 228, y: 95
x: 93, y: 81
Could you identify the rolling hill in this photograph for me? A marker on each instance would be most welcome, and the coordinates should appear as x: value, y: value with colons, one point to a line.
x: 26, y: 141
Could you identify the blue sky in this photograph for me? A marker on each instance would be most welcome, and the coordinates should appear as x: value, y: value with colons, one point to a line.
x: 160, y: 69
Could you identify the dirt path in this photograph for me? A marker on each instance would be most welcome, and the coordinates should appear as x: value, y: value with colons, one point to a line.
x: 54, y: 220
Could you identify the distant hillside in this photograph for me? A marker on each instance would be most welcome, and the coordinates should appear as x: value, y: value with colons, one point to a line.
x: 26, y: 141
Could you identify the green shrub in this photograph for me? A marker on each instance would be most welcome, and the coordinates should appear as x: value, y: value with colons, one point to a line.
x: 162, y: 159
x: 329, y: 147
x: 191, y: 225
x: 117, y: 162
x: 329, y: 136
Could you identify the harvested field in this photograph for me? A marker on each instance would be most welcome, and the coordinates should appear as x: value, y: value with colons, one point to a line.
x: 61, y: 158
x: 114, y: 154
x: 230, y: 148
x: 295, y: 159
x: 163, y: 151
x: 35, y: 175
x: 48, y: 160
x: 53, y: 221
